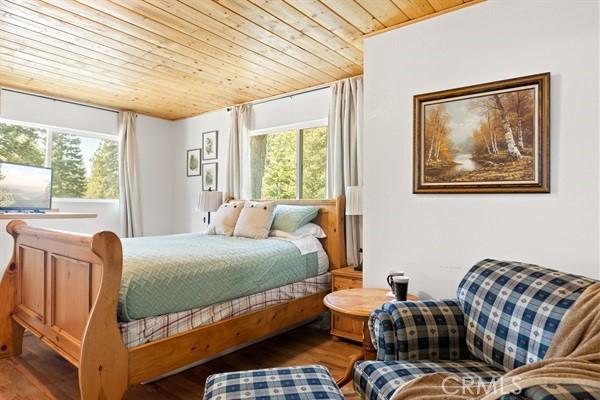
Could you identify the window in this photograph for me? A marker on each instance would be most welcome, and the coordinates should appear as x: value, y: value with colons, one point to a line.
x: 22, y: 145
x: 84, y: 165
x: 289, y: 164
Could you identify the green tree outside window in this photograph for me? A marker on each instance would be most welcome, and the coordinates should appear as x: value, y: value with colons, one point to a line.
x: 276, y: 165
x: 22, y: 145
x: 69, y: 176
x: 103, y: 182
x: 83, y: 167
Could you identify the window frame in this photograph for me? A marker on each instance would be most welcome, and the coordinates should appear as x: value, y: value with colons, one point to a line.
x: 50, y: 130
x: 298, y: 128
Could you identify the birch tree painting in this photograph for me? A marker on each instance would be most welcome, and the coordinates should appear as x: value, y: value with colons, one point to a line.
x: 488, y: 139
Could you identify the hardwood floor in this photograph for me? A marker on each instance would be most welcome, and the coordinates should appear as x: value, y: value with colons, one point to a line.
x: 41, y: 374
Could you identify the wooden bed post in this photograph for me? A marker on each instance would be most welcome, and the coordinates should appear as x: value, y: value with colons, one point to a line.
x: 11, y: 333
x: 104, y: 362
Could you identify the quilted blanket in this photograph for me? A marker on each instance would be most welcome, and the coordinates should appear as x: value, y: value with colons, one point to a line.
x: 167, y: 274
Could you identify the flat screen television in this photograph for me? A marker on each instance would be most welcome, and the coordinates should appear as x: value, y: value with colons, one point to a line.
x: 24, y: 187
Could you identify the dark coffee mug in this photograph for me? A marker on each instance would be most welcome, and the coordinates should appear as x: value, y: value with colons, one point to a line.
x: 400, y: 289
x: 391, y: 276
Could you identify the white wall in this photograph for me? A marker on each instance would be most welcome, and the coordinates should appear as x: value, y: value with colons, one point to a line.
x: 157, y: 140
x: 187, y: 189
x: 436, y: 238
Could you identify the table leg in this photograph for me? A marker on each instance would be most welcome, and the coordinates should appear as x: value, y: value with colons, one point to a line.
x: 348, y: 372
x: 368, y: 353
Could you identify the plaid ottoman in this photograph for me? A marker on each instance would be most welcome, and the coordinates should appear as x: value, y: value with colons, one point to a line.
x: 291, y: 383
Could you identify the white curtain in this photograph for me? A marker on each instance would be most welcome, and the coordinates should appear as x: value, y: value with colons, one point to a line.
x: 237, y: 147
x: 129, y: 189
x: 344, y: 154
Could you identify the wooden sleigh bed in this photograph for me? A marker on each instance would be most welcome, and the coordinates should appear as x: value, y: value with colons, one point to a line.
x: 64, y: 288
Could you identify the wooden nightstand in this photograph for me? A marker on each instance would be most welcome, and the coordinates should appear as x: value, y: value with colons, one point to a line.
x: 344, y: 327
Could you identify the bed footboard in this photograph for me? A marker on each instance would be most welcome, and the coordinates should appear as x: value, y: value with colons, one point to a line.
x: 64, y: 288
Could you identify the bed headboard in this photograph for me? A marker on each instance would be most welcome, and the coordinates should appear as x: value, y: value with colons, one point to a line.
x: 331, y: 218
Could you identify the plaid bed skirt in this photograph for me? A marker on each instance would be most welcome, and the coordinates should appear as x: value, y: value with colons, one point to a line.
x: 146, y: 330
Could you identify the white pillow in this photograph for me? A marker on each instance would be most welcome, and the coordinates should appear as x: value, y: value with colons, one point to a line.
x: 309, y: 229
x: 255, y: 220
x: 225, y: 219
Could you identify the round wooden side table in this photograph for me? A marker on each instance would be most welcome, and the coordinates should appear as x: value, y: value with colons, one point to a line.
x: 358, y: 304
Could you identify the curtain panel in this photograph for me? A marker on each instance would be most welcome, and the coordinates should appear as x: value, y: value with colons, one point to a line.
x: 129, y: 189
x: 238, y: 138
x: 344, y: 153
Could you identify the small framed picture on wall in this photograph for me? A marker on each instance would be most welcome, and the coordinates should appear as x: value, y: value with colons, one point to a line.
x: 209, y: 176
x: 210, y: 144
x: 193, y: 162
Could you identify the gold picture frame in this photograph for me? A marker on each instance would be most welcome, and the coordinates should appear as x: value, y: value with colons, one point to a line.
x: 486, y: 138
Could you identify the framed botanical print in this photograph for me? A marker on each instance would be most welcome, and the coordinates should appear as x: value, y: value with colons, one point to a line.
x: 209, y: 176
x: 487, y: 138
x: 210, y: 145
x: 193, y: 162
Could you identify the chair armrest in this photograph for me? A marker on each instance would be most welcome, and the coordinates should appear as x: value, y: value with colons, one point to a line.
x: 419, y: 330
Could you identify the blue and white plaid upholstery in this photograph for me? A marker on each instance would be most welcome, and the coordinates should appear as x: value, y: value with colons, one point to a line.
x: 562, y: 392
x: 379, y: 379
x: 512, y: 310
x: 291, y: 383
x: 506, y: 316
x: 419, y: 330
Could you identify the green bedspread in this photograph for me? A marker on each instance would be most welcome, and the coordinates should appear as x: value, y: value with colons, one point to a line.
x: 166, y: 274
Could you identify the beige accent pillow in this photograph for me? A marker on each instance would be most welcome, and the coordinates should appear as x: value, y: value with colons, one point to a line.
x: 225, y: 219
x: 255, y: 220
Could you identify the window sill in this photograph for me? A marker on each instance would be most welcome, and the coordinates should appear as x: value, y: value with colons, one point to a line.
x: 85, y: 201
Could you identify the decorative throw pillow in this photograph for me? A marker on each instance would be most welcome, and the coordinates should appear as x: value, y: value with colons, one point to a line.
x: 291, y: 218
x: 255, y: 220
x: 225, y: 219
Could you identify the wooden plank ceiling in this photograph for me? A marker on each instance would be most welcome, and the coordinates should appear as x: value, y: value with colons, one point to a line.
x: 178, y: 58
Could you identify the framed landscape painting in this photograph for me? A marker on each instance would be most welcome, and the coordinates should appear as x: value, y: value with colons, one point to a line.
x: 210, y: 145
x: 193, y: 162
x: 488, y: 138
x: 209, y: 176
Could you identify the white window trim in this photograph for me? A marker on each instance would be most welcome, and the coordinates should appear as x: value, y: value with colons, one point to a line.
x: 88, y: 201
x: 50, y: 130
x: 298, y: 127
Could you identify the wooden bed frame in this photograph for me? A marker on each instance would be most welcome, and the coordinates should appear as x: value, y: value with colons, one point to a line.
x: 64, y: 288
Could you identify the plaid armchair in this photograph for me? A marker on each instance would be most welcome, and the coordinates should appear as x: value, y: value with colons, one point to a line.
x: 505, y: 316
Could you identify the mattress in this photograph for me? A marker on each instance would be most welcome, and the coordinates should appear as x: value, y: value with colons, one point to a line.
x: 146, y: 330
x: 170, y: 274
